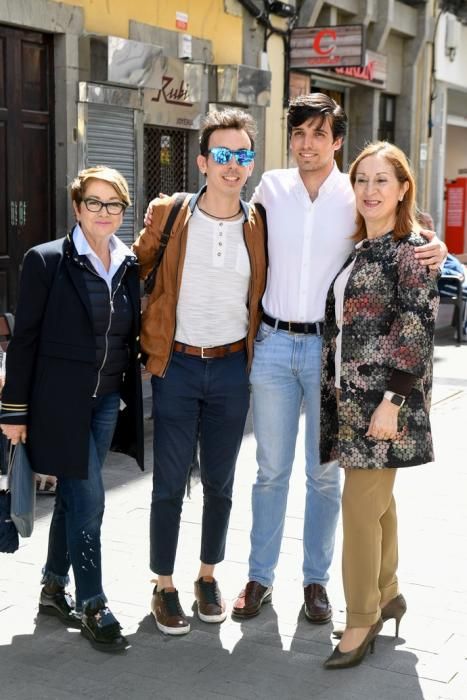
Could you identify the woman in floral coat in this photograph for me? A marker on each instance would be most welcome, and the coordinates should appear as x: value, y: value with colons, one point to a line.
x: 376, y: 387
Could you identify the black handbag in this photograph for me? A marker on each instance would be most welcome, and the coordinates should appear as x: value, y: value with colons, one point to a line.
x: 9, y: 541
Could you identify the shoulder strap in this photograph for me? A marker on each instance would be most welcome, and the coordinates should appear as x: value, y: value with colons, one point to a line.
x: 177, y: 205
x: 262, y: 212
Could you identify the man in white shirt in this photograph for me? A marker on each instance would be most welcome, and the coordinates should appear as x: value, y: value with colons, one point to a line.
x: 311, y: 217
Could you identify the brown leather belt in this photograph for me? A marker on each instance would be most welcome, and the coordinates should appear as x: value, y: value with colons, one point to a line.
x: 210, y: 353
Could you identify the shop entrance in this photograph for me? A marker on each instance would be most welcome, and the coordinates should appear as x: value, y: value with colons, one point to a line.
x: 165, y: 161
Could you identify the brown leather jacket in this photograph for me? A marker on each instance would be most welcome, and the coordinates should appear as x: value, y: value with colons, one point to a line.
x: 159, y: 318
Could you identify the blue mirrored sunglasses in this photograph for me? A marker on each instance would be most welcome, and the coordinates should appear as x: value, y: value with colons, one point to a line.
x: 222, y: 155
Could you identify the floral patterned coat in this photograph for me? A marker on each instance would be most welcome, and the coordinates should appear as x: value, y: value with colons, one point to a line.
x: 390, y: 307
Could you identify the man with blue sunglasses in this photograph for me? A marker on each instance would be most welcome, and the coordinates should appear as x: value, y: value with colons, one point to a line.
x: 311, y: 218
x: 197, y: 331
x: 223, y: 155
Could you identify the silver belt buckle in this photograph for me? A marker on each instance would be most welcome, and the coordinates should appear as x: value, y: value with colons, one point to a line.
x: 203, y: 356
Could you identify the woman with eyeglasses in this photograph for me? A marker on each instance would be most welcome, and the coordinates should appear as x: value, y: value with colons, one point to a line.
x: 71, y: 364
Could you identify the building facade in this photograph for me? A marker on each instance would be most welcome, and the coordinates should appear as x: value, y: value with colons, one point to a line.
x: 84, y: 82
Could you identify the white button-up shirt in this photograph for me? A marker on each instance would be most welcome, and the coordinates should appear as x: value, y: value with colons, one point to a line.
x: 308, y: 242
x: 118, y: 252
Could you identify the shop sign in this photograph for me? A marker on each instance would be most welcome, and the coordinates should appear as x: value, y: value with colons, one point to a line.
x: 181, y: 20
x: 327, y: 47
x: 177, y: 103
x: 374, y: 72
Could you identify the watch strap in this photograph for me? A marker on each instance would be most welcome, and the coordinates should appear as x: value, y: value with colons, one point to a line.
x: 396, y: 399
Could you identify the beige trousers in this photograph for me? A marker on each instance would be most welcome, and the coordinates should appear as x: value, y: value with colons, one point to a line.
x: 370, y: 555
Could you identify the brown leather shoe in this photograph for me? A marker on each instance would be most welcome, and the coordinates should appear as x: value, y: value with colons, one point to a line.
x: 211, y: 606
x: 168, y: 613
x: 318, y: 609
x: 250, y: 600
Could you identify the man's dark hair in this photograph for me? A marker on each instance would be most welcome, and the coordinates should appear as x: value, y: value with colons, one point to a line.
x: 230, y: 118
x: 313, y: 105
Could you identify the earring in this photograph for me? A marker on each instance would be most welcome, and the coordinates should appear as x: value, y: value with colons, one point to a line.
x: 401, y: 198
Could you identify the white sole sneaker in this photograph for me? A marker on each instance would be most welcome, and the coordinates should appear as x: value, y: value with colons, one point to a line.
x: 212, y: 618
x: 170, y: 630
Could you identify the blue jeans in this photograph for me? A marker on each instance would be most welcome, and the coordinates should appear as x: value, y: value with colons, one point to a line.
x: 205, y: 400
x: 286, y: 370
x: 75, y: 529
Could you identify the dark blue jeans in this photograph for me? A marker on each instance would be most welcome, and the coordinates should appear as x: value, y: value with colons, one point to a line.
x: 75, y: 530
x: 197, y: 399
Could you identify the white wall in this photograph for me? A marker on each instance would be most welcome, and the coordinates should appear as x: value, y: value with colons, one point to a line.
x: 451, y: 72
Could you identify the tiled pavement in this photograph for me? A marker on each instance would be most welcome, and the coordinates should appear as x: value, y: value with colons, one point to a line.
x: 278, y: 654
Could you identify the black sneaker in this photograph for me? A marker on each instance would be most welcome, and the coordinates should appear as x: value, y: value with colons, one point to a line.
x: 211, y: 606
x: 168, y: 613
x: 103, y: 630
x: 61, y: 605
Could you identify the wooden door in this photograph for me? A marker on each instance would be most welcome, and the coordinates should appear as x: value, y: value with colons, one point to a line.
x: 26, y: 151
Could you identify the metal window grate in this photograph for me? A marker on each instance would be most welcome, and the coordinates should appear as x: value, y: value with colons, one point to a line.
x: 111, y: 141
x: 165, y: 161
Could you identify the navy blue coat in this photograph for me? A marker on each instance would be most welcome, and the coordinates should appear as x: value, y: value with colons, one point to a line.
x: 51, y: 364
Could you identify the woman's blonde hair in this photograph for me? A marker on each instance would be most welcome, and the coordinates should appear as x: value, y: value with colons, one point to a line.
x: 99, y: 172
x: 405, y: 210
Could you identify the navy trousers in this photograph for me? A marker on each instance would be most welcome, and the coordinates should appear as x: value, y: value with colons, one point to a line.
x: 205, y: 399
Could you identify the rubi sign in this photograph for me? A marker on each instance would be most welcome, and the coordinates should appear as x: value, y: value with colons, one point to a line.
x: 327, y: 47
x: 177, y: 103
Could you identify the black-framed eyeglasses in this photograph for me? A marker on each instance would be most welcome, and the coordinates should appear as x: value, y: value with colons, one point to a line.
x: 223, y: 155
x: 112, y: 208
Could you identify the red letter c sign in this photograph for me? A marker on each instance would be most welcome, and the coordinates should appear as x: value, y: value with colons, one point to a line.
x: 319, y: 37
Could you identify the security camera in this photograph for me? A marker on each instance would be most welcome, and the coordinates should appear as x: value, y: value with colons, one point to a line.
x: 281, y: 9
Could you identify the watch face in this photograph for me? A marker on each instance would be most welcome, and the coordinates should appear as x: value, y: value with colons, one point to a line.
x: 397, y: 399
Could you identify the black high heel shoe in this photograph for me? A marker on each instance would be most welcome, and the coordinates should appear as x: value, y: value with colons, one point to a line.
x: 346, y: 659
x: 395, y: 610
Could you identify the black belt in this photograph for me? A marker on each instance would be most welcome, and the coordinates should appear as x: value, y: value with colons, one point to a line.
x: 292, y: 327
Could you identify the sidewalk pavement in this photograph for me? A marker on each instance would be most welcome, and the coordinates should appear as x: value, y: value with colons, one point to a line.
x: 278, y: 654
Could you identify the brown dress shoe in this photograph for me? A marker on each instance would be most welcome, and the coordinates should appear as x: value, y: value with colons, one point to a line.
x: 250, y: 600
x: 168, y: 613
x: 318, y: 609
x: 211, y: 606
